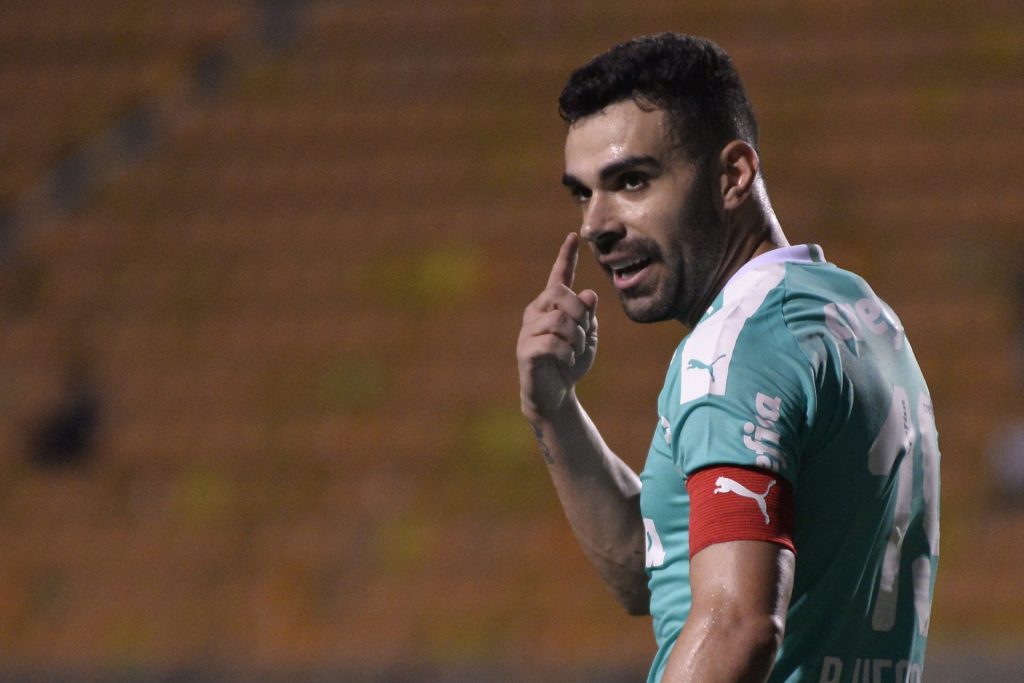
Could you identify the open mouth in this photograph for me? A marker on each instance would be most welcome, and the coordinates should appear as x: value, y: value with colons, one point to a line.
x: 629, y: 274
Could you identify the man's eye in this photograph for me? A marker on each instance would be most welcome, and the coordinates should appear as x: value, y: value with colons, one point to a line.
x: 579, y: 195
x: 633, y: 181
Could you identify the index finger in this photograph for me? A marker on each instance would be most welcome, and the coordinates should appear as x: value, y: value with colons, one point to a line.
x: 564, y: 270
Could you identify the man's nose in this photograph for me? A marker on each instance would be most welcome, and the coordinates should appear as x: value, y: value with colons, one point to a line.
x: 602, y: 225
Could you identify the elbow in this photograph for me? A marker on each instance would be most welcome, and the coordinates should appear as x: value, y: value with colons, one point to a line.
x: 636, y: 605
x: 627, y: 579
x: 636, y: 600
x: 760, y: 638
x: 638, y: 609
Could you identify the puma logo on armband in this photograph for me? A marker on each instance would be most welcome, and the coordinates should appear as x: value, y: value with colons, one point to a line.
x: 727, y: 485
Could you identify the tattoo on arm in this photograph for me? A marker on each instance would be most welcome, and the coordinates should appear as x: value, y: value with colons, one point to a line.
x: 539, y: 433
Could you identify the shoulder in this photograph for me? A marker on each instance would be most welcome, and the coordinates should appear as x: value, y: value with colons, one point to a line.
x: 741, y: 311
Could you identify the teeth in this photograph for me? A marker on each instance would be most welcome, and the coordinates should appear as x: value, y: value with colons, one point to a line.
x: 618, y: 270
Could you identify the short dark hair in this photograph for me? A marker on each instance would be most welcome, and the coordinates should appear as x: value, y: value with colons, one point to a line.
x: 691, y: 78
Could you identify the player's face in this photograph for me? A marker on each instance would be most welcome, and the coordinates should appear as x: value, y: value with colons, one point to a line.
x: 647, y: 211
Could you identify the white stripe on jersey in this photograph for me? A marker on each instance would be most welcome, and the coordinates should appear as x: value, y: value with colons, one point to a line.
x: 708, y: 350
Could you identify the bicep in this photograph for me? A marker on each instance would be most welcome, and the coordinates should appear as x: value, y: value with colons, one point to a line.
x: 743, y: 579
x: 740, y: 594
x: 741, y: 531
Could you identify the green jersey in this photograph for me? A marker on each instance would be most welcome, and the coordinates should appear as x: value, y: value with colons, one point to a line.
x: 798, y: 368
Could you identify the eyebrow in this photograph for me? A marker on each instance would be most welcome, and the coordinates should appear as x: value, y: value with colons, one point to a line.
x: 614, y: 169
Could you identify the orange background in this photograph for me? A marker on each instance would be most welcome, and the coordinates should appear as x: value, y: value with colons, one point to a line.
x: 299, y: 306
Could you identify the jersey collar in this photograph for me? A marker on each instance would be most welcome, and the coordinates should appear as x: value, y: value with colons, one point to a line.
x: 801, y: 253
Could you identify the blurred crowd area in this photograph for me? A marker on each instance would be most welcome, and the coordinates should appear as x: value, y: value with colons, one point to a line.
x: 262, y: 267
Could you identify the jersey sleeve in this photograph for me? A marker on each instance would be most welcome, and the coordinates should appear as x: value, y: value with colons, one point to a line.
x: 745, y: 393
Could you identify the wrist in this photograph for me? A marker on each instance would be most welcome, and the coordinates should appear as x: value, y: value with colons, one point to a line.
x: 541, y: 417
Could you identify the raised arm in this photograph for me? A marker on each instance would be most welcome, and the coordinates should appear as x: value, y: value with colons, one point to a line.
x: 599, y: 493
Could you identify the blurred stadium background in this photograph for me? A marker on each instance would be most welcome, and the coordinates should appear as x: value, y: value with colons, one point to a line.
x: 262, y: 266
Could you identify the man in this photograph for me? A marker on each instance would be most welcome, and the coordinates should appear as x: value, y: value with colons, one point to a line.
x: 785, y: 525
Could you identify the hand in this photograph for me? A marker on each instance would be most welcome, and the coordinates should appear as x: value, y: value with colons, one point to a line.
x: 558, y: 340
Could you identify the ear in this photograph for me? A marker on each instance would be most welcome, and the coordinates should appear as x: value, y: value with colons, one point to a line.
x: 739, y: 164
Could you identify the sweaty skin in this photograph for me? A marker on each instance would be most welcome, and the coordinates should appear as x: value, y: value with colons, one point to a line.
x: 642, y: 199
x: 669, y: 234
x: 599, y: 493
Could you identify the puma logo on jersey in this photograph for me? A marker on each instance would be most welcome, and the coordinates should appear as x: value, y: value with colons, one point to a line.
x: 727, y: 485
x: 695, y: 364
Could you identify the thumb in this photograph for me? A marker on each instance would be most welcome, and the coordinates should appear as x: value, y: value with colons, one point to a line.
x: 589, y: 299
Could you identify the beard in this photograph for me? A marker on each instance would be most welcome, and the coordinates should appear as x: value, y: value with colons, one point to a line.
x: 658, y: 304
x: 688, y: 262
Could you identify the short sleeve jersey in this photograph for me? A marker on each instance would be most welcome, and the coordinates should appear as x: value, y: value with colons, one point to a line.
x: 800, y: 370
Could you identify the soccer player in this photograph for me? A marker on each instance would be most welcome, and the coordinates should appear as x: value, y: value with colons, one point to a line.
x: 785, y: 525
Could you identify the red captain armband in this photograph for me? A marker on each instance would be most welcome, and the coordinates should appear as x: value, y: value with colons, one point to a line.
x: 739, y: 504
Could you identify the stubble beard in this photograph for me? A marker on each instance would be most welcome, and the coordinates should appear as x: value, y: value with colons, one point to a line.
x: 658, y: 304
x: 688, y: 264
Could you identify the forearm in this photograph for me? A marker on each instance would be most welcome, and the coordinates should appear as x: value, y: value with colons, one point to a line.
x: 601, y: 498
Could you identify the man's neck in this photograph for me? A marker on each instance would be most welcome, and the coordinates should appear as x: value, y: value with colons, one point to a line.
x: 738, y: 252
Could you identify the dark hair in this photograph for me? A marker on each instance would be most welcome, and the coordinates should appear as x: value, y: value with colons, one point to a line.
x: 691, y: 78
